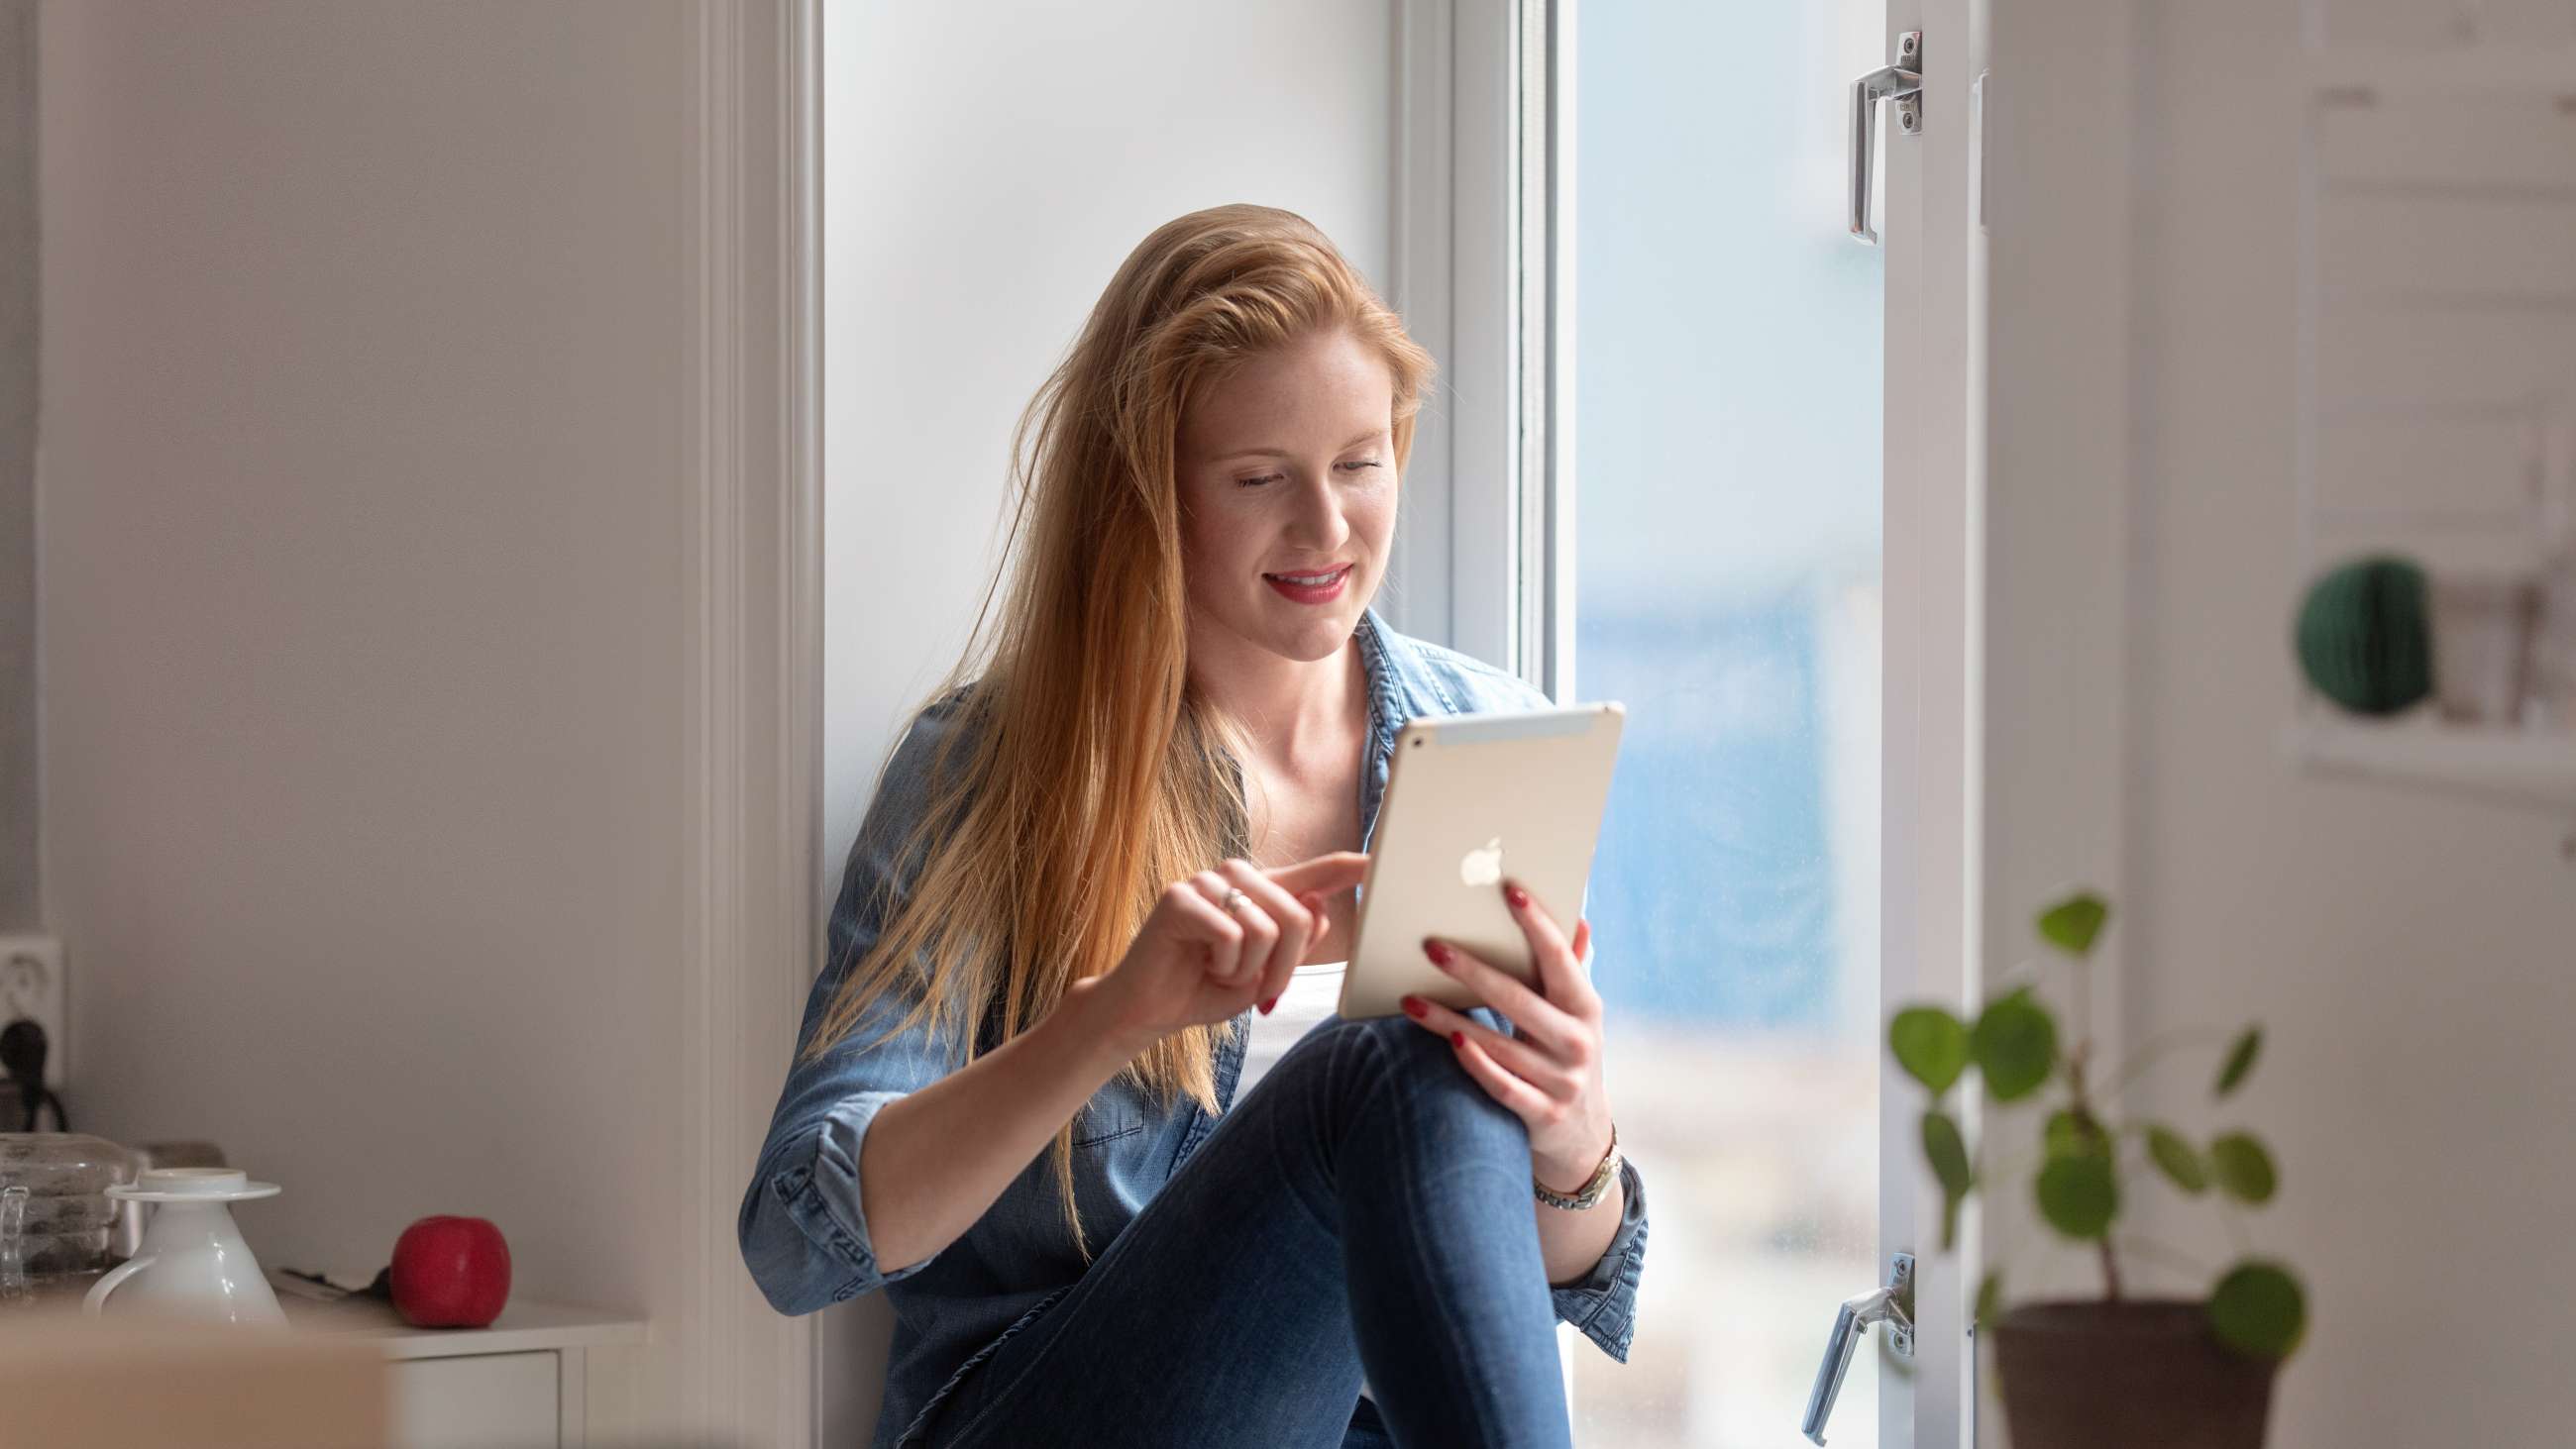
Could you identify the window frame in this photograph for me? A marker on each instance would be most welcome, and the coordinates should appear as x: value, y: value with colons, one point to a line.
x: 1484, y: 562
x: 1483, y: 177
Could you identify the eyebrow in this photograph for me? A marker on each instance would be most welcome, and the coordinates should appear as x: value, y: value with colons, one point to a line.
x: 1369, y: 436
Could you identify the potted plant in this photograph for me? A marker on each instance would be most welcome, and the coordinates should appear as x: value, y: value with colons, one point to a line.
x: 2120, y: 1370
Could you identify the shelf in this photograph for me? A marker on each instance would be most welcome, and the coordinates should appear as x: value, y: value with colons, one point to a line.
x: 523, y: 1325
x: 2467, y: 69
x: 2523, y: 767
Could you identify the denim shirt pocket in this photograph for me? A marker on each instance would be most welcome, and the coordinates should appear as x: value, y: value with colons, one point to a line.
x: 1113, y: 1138
x: 1105, y: 1119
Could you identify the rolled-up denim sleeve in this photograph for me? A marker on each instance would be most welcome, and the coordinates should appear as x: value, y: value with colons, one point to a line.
x: 803, y: 1231
x: 1602, y: 1305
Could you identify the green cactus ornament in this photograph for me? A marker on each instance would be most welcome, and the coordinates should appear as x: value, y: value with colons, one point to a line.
x: 2364, y: 636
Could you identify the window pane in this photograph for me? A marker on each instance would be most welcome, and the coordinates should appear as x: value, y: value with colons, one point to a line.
x: 1727, y: 355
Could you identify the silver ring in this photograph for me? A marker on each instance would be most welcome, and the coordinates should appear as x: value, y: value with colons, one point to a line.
x: 1234, y: 900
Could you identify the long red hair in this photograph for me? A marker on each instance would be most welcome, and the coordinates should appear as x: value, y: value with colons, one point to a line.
x: 1090, y: 773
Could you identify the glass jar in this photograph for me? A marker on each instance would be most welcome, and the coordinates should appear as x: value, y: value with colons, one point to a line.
x: 55, y: 1234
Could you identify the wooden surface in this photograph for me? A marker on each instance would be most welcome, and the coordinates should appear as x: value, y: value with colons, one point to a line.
x: 81, y: 1383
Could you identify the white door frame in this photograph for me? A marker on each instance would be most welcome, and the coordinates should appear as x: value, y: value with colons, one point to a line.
x: 2054, y: 533
x: 1931, y: 758
x: 744, y: 1374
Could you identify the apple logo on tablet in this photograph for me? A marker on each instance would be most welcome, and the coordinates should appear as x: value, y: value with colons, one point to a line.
x: 1483, y: 866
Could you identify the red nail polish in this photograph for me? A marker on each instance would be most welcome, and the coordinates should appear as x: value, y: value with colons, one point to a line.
x: 1518, y: 897
x: 1265, y: 1006
x: 1439, y: 953
x: 1457, y: 1039
x: 1414, y: 1008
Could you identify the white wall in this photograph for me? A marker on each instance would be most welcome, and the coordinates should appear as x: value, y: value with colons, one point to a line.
x: 2412, y: 955
x: 19, y: 901
x: 984, y: 177
x: 2416, y: 956
x: 361, y: 610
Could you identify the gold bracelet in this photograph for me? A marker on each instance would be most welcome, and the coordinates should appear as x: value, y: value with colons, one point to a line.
x: 1594, y: 1187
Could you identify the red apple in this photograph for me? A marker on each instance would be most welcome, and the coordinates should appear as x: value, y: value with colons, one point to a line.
x: 450, y: 1272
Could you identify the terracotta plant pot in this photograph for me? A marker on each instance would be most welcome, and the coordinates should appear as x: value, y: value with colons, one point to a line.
x: 2129, y: 1375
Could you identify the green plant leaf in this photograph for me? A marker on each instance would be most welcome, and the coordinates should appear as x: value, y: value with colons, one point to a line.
x: 2062, y: 1137
x: 2072, y: 923
x: 2176, y: 1159
x: 1931, y: 1044
x: 1947, y: 1151
x: 2015, y: 1043
x: 2079, y: 1196
x: 2068, y: 1136
x: 2258, y: 1310
x: 1990, y: 1298
x: 2243, y: 1168
x: 2240, y: 1060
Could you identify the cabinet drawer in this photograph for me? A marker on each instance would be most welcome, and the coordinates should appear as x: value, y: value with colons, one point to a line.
x: 486, y: 1401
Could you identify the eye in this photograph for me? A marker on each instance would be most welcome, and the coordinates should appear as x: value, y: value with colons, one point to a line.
x: 1256, y: 482
x: 1362, y: 463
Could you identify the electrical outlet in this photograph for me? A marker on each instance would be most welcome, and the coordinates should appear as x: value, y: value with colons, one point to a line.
x: 31, y: 985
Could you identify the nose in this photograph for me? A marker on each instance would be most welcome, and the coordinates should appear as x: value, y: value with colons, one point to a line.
x: 1318, y: 523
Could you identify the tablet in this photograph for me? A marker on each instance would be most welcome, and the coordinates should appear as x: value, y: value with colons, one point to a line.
x: 1472, y: 799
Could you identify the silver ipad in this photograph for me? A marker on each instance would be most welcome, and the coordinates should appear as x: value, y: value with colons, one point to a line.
x: 1473, y: 799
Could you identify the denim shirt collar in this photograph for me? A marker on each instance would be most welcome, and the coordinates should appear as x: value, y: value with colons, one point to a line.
x: 1388, y: 711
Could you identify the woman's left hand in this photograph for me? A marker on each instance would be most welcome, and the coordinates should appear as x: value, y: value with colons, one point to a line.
x: 1549, y: 1074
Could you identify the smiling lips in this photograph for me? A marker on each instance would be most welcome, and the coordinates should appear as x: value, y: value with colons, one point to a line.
x: 1312, y: 588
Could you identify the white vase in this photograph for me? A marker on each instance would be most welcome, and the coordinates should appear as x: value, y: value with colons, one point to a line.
x: 2553, y: 649
x: 2481, y: 642
x: 194, y: 1264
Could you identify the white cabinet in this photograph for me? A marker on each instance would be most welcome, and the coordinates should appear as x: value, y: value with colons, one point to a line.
x: 479, y: 1401
x: 519, y: 1384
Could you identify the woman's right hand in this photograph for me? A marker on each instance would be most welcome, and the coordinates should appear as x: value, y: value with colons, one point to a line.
x: 1195, y: 962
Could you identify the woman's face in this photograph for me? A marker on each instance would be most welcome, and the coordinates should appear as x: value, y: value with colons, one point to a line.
x: 1287, y: 480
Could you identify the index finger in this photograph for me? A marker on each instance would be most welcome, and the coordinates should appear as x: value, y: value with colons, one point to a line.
x: 1337, y: 871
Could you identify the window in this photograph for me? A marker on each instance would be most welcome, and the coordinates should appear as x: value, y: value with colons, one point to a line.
x: 1696, y: 532
x: 1726, y: 587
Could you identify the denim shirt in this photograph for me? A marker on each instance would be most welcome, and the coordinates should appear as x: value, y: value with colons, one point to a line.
x: 803, y: 1233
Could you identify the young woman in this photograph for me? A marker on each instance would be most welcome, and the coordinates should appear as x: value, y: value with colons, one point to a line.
x: 1086, y: 911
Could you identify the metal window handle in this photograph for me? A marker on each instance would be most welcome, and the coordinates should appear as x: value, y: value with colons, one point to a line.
x: 1890, y: 1305
x: 1901, y: 82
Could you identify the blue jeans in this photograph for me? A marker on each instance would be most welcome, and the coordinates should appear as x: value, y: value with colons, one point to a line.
x: 1366, y: 1206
